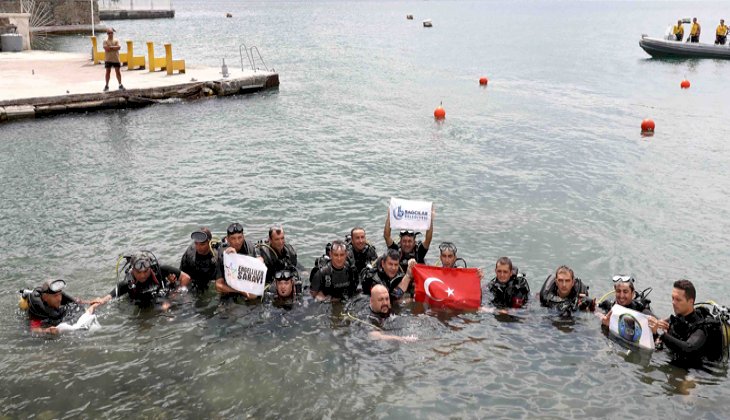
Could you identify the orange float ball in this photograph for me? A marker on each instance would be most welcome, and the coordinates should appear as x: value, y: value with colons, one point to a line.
x: 483, y: 81
x: 647, y: 125
x: 684, y: 84
x: 439, y: 113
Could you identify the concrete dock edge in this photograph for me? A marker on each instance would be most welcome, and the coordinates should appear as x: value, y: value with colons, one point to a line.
x: 15, y: 109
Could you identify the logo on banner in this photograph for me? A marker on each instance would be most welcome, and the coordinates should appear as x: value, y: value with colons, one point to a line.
x: 245, y: 273
x: 398, y: 213
x: 414, y: 215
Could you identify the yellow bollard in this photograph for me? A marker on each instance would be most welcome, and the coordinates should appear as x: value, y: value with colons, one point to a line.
x: 171, y: 64
x: 154, y: 63
x: 99, y: 56
x: 134, y: 62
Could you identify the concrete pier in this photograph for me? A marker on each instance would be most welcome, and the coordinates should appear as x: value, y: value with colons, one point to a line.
x: 135, y: 14
x: 42, y: 83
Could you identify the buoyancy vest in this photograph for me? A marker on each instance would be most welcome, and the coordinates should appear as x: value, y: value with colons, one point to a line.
x: 549, y: 296
x: 38, y: 309
x: 513, y: 294
x: 715, y: 321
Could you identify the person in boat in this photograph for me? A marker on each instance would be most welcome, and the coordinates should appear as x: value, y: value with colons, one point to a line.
x: 509, y: 288
x: 678, y: 31
x: 721, y: 33
x: 408, y: 246
x: 337, y: 280
x: 687, y: 333
x: 276, y: 252
x: 235, y: 242
x: 694, y: 33
x: 564, y: 292
x: 146, y: 281
x: 359, y: 251
x: 200, y: 260
x: 48, y: 306
x: 626, y: 296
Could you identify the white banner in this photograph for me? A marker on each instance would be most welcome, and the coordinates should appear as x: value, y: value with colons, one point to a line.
x: 244, y: 273
x: 632, y: 326
x: 410, y: 214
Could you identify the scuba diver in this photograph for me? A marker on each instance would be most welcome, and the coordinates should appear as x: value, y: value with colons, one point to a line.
x: 48, y: 305
x: 286, y: 289
x: 235, y: 242
x: 379, y: 313
x: 693, y: 334
x: 359, y: 251
x: 408, y: 247
x: 145, y: 280
x: 565, y: 293
x: 200, y: 259
x: 509, y: 287
x: 276, y: 252
x: 626, y: 296
x: 386, y: 272
x: 448, y: 258
x: 337, y: 279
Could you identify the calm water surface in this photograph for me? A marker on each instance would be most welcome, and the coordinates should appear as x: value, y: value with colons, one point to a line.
x: 546, y: 165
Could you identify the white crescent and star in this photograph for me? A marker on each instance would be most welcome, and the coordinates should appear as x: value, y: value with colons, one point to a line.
x: 427, y: 286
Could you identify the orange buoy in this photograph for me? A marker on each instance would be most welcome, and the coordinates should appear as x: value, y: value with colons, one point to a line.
x: 483, y: 81
x: 684, y: 84
x: 647, y: 126
x: 439, y: 113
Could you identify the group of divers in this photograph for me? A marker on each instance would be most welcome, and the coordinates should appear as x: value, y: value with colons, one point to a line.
x: 695, y: 31
x: 350, y: 267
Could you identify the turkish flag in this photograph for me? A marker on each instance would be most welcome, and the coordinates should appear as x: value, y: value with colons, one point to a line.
x: 458, y: 288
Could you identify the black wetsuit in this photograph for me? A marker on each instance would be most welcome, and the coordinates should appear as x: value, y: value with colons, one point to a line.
x: 419, y: 253
x: 513, y: 294
x: 573, y: 302
x: 336, y: 283
x: 361, y: 259
x: 202, y: 269
x: 686, y: 337
x: 147, y: 292
x: 277, y: 261
x: 376, y: 275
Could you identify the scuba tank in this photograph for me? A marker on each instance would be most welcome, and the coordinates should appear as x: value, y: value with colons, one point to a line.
x: 23, y: 303
x: 321, y: 262
x: 716, y: 323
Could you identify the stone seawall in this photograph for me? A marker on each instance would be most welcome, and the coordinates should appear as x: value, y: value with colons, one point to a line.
x: 64, y: 12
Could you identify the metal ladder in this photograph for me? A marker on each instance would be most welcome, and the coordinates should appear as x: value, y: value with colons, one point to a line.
x: 251, y: 57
